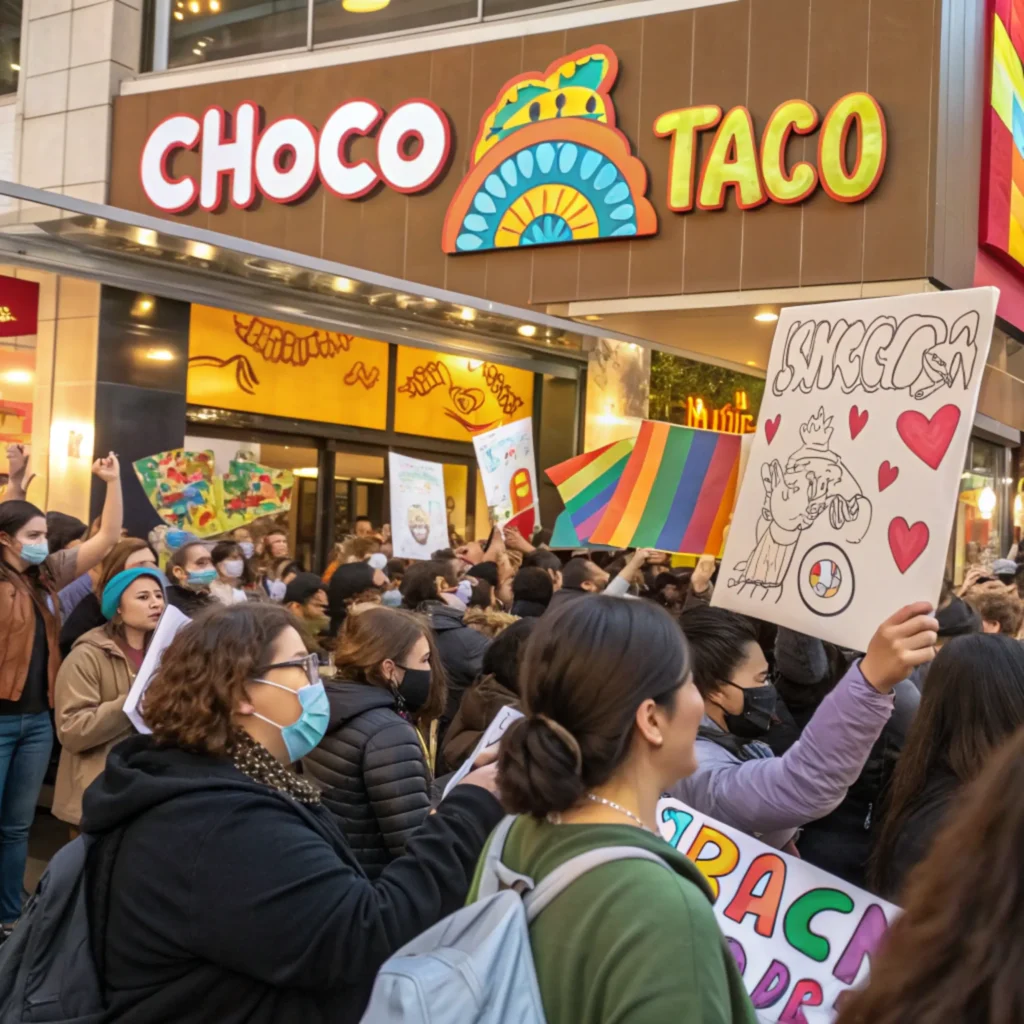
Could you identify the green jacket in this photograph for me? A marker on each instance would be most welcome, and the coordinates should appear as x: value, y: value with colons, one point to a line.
x: 628, y: 943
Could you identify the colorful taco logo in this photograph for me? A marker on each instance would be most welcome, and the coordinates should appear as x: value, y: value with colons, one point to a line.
x: 549, y: 165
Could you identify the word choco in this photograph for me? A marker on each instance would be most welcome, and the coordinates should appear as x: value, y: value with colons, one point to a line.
x: 282, y: 161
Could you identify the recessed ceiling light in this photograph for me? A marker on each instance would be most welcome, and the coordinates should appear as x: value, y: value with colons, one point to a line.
x: 467, y: 313
x: 18, y: 377
x: 178, y: 16
x: 145, y: 305
x: 343, y: 284
x: 15, y: 67
x: 364, y: 6
x: 766, y: 317
x: 592, y: 316
x: 527, y: 330
x: 751, y: 362
x: 160, y: 355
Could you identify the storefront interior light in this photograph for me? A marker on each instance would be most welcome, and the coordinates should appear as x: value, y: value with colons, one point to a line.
x: 178, y: 16
x: 307, y: 472
x: 160, y: 355
x: 527, y: 330
x: 193, y: 6
x: 18, y: 377
x: 987, y: 502
x: 143, y: 306
x: 214, y: 6
x: 766, y: 317
x: 364, y: 6
x: 467, y: 313
x: 15, y: 67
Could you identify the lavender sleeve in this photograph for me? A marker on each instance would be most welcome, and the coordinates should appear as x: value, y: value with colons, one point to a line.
x: 74, y: 593
x: 809, y: 781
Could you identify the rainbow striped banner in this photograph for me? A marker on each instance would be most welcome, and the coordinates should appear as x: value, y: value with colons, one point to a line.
x: 587, y: 483
x: 675, y: 493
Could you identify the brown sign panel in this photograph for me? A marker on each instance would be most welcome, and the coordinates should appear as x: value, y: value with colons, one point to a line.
x: 418, y: 142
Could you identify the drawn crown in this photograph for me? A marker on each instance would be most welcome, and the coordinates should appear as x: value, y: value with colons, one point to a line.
x: 816, y: 433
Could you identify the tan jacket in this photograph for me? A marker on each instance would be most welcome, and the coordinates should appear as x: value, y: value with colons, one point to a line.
x: 89, y: 713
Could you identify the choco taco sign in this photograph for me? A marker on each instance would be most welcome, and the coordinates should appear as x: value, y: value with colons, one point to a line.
x: 549, y: 164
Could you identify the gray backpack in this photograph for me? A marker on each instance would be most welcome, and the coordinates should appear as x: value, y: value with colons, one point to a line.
x: 476, y: 966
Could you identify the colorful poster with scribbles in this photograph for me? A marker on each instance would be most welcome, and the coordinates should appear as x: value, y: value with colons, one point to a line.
x: 456, y: 398
x: 508, y: 471
x: 549, y: 165
x: 254, y: 364
x: 249, y: 490
x: 419, y: 514
x: 800, y: 936
x: 847, y: 503
x: 183, y: 488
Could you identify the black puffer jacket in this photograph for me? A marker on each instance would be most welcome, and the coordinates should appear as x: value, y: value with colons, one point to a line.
x: 190, y: 602
x: 373, y: 773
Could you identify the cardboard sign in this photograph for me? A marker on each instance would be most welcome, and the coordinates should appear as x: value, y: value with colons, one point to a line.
x: 508, y: 471
x: 419, y: 519
x: 800, y: 936
x: 847, y: 503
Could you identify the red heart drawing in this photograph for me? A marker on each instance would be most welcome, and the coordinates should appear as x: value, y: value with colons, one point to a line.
x: 771, y: 427
x: 858, y: 421
x: 927, y: 438
x: 887, y: 475
x: 907, y: 542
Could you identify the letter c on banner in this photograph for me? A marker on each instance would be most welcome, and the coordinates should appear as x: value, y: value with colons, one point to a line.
x: 347, y: 180
x: 784, y: 186
x: 721, y: 864
x: 426, y: 123
x: 172, y: 195
x: 797, y: 923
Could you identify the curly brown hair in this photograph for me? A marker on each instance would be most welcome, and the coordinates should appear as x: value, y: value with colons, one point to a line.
x: 203, y: 674
x: 381, y: 634
x: 956, y: 955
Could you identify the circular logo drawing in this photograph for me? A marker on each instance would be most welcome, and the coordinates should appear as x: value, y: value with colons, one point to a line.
x: 826, y: 582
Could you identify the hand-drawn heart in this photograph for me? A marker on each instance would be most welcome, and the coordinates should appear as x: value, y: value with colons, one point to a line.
x: 858, y: 421
x: 907, y: 542
x: 887, y: 475
x: 771, y: 427
x: 929, y: 439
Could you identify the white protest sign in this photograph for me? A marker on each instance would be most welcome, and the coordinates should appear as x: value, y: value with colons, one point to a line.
x: 508, y: 472
x: 501, y: 721
x: 419, y: 516
x: 847, y: 503
x: 800, y: 936
x: 166, y: 629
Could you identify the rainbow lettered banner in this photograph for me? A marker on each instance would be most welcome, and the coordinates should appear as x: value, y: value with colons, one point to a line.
x: 800, y: 936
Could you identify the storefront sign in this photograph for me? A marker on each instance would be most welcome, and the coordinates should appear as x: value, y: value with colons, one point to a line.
x: 550, y: 166
x: 757, y: 176
x: 733, y: 418
x: 282, y: 161
x: 19, y: 307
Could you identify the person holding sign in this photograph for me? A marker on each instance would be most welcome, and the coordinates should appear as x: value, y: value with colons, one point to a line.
x: 611, y: 716
x: 738, y: 781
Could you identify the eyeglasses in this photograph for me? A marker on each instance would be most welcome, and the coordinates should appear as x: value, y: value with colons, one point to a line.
x: 310, y: 664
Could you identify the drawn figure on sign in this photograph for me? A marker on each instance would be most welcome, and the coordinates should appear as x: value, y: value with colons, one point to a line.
x: 419, y: 524
x: 814, y: 482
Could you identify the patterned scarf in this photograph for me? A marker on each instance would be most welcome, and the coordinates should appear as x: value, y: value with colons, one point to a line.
x: 253, y: 760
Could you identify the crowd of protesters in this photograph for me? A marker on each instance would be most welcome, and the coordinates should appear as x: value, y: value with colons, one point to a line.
x: 282, y: 832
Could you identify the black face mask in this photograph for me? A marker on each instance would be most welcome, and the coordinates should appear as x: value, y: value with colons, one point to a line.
x: 758, y: 710
x: 414, y: 689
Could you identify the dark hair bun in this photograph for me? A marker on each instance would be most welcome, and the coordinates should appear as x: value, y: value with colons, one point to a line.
x: 538, y: 771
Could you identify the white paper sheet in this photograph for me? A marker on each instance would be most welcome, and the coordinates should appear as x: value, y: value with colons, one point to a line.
x: 166, y: 629
x: 501, y: 721
x: 419, y: 515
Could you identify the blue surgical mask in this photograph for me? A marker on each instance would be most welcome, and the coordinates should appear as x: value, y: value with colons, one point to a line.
x: 276, y: 589
x: 35, y: 554
x: 248, y: 549
x: 202, y: 577
x: 175, y: 538
x: 391, y: 598
x: 309, y: 728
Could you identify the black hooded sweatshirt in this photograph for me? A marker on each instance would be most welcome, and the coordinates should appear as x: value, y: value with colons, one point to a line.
x: 231, y: 902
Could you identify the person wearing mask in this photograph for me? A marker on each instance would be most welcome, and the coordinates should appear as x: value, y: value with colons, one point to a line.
x: 581, y: 576
x: 611, y: 718
x: 998, y: 606
x: 191, y: 572
x: 130, y: 553
x: 374, y: 765
x: 306, y: 599
x: 94, y: 681
x: 532, y: 591
x: 242, y: 536
x: 496, y: 688
x: 30, y: 578
x: 739, y: 782
x: 424, y: 587
x: 280, y: 573
x: 357, y: 583
x: 954, y: 955
x: 232, y: 573
x: 229, y: 885
x: 973, y: 702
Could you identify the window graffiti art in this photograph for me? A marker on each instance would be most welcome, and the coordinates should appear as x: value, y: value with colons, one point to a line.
x: 457, y: 398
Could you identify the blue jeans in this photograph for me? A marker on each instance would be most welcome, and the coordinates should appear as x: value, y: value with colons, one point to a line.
x: 25, y: 742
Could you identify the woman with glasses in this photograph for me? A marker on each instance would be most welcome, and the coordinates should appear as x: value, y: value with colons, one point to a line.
x: 375, y: 764
x: 231, y: 893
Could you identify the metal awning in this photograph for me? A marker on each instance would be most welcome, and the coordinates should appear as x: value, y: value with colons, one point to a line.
x: 153, y: 255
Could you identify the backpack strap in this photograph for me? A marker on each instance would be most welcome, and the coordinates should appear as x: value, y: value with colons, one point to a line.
x: 565, y: 874
x: 490, y: 878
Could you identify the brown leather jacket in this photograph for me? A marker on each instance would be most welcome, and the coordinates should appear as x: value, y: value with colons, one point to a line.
x: 18, y: 600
